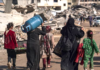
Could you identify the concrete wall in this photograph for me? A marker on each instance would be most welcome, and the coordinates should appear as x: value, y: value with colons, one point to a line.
x: 88, y: 2
x: 4, y: 1
x: 22, y: 2
x: 54, y: 4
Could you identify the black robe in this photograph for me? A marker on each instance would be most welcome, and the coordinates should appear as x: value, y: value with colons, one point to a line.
x: 33, y: 48
x: 68, y: 57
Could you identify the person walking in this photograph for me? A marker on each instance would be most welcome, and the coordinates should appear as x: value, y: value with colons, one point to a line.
x: 71, y: 32
x: 89, y: 46
x: 90, y: 20
x: 47, y: 43
x: 10, y: 44
x: 81, y: 19
x: 33, y: 48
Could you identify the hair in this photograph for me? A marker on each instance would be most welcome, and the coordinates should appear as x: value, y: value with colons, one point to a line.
x: 70, y: 16
x: 9, y: 25
x: 90, y: 35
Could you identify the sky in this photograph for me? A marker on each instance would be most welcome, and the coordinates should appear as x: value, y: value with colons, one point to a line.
x: 1, y: 1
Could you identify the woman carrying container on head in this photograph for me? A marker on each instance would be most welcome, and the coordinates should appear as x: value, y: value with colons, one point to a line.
x: 47, y: 43
x: 33, y: 48
x: 10, y: 44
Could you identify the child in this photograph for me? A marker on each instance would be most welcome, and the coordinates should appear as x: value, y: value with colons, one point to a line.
x: 47, y: 42
x: 10, y: 44
x: 89, y: 46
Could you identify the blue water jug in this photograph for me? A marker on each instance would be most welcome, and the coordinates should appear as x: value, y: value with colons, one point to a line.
x: 32, y: 23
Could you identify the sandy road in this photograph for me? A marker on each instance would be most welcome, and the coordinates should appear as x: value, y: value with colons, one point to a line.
x: 55, y: 61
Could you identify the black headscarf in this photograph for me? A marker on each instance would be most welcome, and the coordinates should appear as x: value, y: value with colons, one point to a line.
x: 70, y: 23
x: 68, y: 29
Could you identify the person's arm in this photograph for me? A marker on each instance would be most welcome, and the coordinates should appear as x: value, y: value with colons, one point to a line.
x: 95, y: 47
x: 84, y: 44
x: 40, y: 40
x: 14, y: 39
x: 62, y: 31
x: 53, y: 43
x: 43, y: 31
x: 80, y: 33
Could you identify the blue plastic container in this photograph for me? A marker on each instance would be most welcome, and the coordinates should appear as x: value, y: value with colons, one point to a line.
x: 32, y: 23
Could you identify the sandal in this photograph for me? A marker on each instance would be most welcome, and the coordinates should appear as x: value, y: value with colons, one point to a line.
x: 44, y: 68
x: 49, y: 66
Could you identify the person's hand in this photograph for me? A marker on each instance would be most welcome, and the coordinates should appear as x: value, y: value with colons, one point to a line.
x: 42, y: 24
x: 82, y: 28
x: 64, y: 24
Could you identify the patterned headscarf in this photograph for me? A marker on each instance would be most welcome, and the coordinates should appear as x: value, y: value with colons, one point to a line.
x: 48, y: 28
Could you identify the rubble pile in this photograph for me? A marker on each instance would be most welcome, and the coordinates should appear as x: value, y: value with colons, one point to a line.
x: 20, y: 14
x: 14, y: 17
x: 24, y: 9
x: 5, y: 18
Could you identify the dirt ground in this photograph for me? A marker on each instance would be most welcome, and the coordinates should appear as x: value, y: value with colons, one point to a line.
x: 55, y: 61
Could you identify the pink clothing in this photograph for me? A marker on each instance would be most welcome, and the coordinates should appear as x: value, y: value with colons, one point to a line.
x: 80, y: 53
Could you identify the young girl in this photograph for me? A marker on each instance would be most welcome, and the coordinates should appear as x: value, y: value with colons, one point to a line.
x: 10, y: 44
x: 89, y: 46
x: 47, y: 43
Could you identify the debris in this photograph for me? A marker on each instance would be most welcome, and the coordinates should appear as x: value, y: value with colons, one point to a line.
x: 24, y: 8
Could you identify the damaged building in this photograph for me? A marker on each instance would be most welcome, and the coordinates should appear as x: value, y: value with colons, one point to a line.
x: 88, y: 2
x: 55, y: 4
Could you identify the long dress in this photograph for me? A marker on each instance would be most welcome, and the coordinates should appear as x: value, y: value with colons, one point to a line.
x: 73, y: 33
x: 68, y: 58
x: 47, y: 44
x: 33, y: 48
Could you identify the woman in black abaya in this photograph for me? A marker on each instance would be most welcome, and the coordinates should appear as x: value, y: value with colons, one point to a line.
x: 68, y: 57
x: 33, y: 48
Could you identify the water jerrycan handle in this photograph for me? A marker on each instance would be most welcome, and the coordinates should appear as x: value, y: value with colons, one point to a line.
x: 23, y: 29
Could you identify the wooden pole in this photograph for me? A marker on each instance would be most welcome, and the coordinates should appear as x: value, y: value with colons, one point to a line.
x: 8, y: 6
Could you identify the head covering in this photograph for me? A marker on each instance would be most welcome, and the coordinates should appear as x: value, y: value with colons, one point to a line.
x: 48, y: 28
x: 69, y: 16
x: 68, y: 28
x: 89, y: 33
x: 70, y: 23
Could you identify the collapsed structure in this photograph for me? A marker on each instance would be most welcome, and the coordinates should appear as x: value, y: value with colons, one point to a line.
x: 55, y: 18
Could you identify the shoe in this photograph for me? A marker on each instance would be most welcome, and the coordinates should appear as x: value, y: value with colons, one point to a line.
x: 13, y: 68
x: 9, y: 65
x: 27, y: 68
x: 44, y: 68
